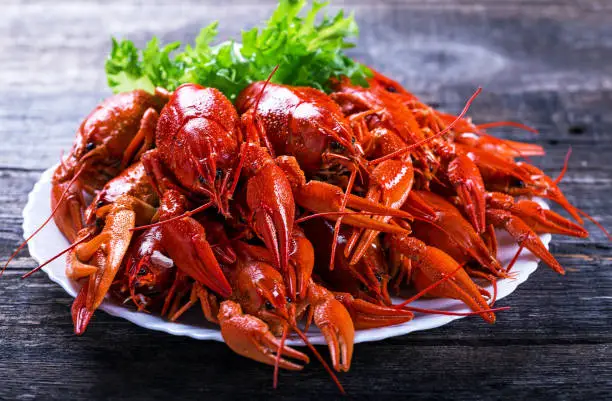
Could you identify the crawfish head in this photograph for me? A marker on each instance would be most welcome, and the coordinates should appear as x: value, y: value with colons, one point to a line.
x: 298, y: 121
x: 147, y: 273
x: 132, y: 181
x: 107, y: 140
x: 108, y: 130
x: 198, y: 138
x: 260, y: 290
x: 148, y: 268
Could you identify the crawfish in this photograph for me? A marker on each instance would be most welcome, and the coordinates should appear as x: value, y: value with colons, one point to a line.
x: 260, y: 308
x: 202, y: 154
x: 124, y: 202
x: 388, y: 128
x: 148, y: 273
x: 307, y: 129
x: 114, y: 134
x: 424, y: 265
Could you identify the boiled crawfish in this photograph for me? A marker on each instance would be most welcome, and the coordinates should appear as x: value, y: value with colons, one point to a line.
x: 113, y: 135
x: 239, y: 208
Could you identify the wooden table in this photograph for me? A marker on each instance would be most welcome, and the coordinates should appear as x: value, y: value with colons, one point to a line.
x: 547, y: 63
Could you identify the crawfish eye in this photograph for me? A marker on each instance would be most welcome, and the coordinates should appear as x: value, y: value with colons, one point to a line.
x: 142, y: 271
x: 99, y: 203
x: 90, y: 146
x: 353, y: 140
x: 269, y: 305
x: 219, y: 173
x: 336, y: 147
x: 518, y: 183
x: 378, y: 277
x: 391, y: 89
x: 201, y: 179
x: 288, y: 300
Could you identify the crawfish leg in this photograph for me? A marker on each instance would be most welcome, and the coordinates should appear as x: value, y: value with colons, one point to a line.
x: 209, y: 303
x: 193, y: 298
x: 149, y: 126
x: 155, y: 170
x: 366, y: 315
x: 144, y: 138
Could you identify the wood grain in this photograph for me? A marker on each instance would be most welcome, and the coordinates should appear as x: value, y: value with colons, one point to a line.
x: 545, y: 63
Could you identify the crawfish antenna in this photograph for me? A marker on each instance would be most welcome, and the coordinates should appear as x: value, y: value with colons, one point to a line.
x: 28, y: 274
x: 429, y: 288
x: 236, y: 176
x: 349, y: 188
x: 514, y: 259
x: 188, y: 213
x: 565, y: 164
x: 278, y: 357
x: 592, y: 220
x: 449, y: 313
x: 579, y: 211
x: 426, y: 140
x: 320, y: 358
x: 516, y: 149
x: 344, y: 213
x: 25, y: 242
x: 508, y: 124
x: 255, y: 115
x: 265, y: 85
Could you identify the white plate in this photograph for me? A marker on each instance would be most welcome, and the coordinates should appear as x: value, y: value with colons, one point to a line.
x: 50, y: 241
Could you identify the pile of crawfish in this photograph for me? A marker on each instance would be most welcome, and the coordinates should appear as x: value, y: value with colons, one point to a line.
x: 292, y: 205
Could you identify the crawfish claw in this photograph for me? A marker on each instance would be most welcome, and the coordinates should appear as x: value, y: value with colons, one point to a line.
x: 524, y: 235
x: 80, y: 314
x: 334, y: 321
x: 431, y: 265
x: 249, y: 336
x: 271, y: 202
x: 542, y: 220
x: 465, y: 176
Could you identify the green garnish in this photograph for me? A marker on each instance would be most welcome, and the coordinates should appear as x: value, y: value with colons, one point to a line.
x: 308, y: 54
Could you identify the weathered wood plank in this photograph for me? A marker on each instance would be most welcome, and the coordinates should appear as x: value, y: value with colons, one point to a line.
x: 143, y: 373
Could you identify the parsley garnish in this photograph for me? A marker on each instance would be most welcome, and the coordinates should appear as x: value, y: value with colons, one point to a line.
x: 309, y: 53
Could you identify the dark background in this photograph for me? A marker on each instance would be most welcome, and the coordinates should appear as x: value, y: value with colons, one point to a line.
x: 545, y: 63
